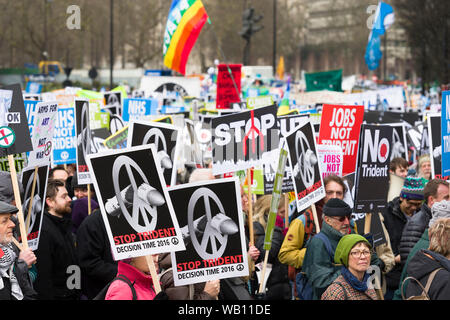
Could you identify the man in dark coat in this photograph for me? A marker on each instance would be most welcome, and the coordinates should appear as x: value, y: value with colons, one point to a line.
x: 396, y: 215
x: 97, y: 265
x: 57, y: 266
x: 435, y: 190
x: 15, y: 282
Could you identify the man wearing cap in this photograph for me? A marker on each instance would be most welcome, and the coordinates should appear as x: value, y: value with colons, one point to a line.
x: 15, y: 283
x: 318, y: 264
x: 396, y: 215
x: 57, y: 260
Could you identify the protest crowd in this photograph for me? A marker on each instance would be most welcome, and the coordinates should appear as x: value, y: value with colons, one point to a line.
x: 269, y: 190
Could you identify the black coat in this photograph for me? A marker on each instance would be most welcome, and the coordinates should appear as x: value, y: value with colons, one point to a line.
x: 413, y: 231
x: 97, y: 265
x: 394, y: 221
x: 278, y: 286
x: 20, y: 271
x: 420, y: 268
x: 55, y: 254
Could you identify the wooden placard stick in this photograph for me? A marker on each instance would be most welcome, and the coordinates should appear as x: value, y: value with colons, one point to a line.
x: 367, y: 223
x: 286, y: 210
x: 30, y: 205
x: 18, y: 245
x: 15, y: 184
x: 316, y: 219
x: 250, y: 209
x: 263, y: 273
x: 155, y: 278
x: 89, y: 198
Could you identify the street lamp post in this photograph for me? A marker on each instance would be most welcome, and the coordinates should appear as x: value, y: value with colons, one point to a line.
x: 111, y: 45
x: 274, y: 56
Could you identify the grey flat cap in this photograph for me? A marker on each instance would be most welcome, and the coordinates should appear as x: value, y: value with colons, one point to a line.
x: 7, y: 208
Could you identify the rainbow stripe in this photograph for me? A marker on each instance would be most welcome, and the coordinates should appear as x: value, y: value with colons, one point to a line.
x: 184, y: 23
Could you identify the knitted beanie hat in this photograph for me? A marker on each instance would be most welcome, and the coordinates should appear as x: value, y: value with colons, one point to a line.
x: 336, y: 207
x: 345, y: 245
x: 413, y: 188
x: 439, y: 210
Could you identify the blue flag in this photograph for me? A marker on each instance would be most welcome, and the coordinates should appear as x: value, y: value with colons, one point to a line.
x: 373, y: 52
x: 384, y: 18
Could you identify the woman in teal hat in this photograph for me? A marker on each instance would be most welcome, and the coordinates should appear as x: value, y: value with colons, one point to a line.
x: 353, y: 252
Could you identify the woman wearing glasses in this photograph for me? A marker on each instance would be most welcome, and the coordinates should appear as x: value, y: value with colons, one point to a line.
x: 353, y: 252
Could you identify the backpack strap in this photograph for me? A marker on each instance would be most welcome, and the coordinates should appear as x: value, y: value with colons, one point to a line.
x: 327, y: 243
x: 427, y: 286
x: 431, y: 278
x: 127, y: 281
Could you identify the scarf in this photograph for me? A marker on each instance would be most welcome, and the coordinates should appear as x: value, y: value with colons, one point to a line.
x: 7, y: 258
x: 353, y: 281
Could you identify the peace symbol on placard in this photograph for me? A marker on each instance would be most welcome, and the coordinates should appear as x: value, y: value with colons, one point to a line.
x: 161, y: 146
x: 85, y: 137
x: 211, y: 235
x: 305, y: 159
x: 37, y: 205
x: 398, y: 149
x: 141, y: 209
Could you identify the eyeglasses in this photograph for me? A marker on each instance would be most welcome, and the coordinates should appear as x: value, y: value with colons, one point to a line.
x: 358, y: 253
x: 341, y: 219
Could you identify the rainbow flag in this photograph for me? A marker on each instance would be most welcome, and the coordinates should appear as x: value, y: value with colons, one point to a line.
x: 184, y: 23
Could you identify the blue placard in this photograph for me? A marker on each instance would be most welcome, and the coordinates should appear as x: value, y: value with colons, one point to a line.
x: 30, y: 107
x: 135, y: 108
x: 445, y: 133
x: 64, y: 138
x: 33, y: 87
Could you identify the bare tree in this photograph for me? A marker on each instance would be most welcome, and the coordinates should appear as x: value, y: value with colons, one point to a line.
x: 427, y: 25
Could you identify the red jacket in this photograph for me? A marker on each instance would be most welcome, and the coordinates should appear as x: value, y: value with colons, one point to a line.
x: 143, y: 284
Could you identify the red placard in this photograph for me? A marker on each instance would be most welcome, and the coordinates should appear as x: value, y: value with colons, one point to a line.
x: 226, y: 91
x: 340, y: 125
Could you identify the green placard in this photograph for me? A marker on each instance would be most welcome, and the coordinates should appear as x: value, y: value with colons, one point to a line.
x: 258, y: 182
x: 276, y: 194
x: 259, y: 101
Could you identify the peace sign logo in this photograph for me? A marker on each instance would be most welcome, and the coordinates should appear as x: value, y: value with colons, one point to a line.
x: 143, y: 199
x: 306, y: 160
x: 37, y: 205
x: 214, y: 239
x: 398, y: 149
x: 155, y: 136
x: 85, y: 137
x: 113, y: 102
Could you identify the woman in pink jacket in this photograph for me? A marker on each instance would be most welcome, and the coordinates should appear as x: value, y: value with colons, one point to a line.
x: 137, y: 271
